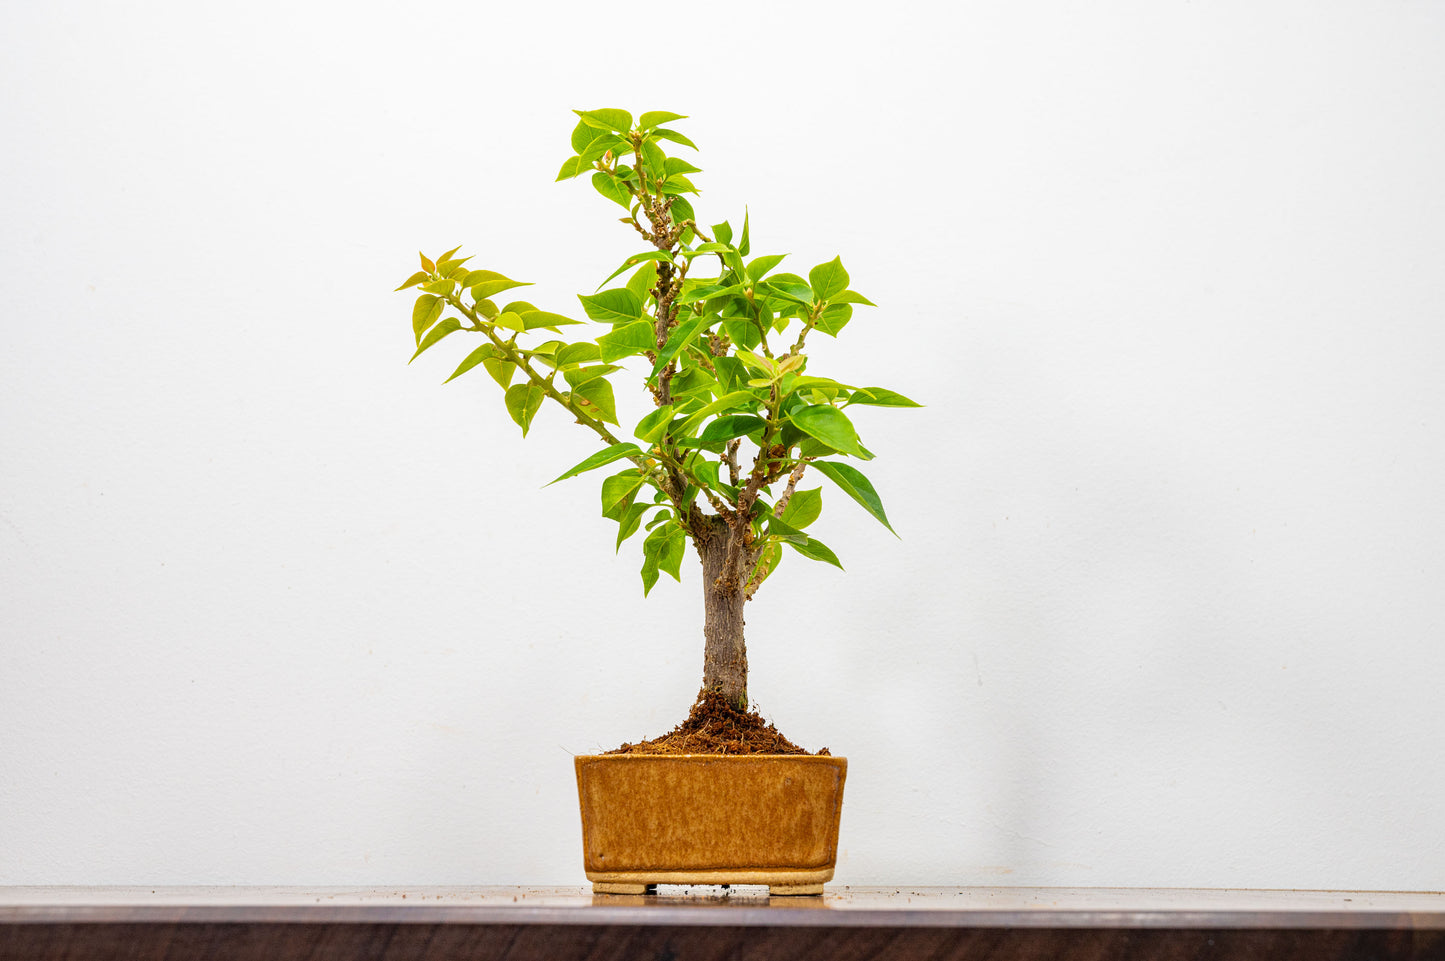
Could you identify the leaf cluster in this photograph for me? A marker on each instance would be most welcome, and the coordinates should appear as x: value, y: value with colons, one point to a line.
x: 719, y: 337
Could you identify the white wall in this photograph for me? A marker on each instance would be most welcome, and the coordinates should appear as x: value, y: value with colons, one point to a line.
x: 1167, y: 606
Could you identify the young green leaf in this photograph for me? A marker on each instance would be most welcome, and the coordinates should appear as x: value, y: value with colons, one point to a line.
x: 489, y: 283
x: 817, y: 550
x: 834, y: 318
x: 851, y: 297
x: 642, y: 281
x: 614, y: 306
x: 829, y: 425
x: 828, y: 279
x: 607, y: 118
x: 618, y: 489
x: 582, y: 352
x: 608, y: 186
x: 426, y: 311
x: 420, y: 276
x: 650, y: 429
x: 628, y: 340
x: 803, y: 508
x: 744, y: 244
x: 730, y: 426
x: 628, y: 523
x: 533, y: 319
x: 677, y: 340
x: 881, y: 397
x: 759, y: 267
x: 596, y: 400
x: 605, y: 456
x: 449, y: 326
x: 856, y: 486
x: 662, y: 133
x: 484, y: 352
x: 523, y: 402
x: 652, y: 118
x: 636, y: 259
x: 501, y: 370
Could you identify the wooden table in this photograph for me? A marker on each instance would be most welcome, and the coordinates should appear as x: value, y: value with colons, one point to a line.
x: 711, y: 924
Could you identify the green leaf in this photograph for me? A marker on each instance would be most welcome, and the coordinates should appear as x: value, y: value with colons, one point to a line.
x: 673, y: 549
x: 618, y: 489
x: 656, y: 160
x: 734, y: 400
x: 676, y: 165
x: 817, y: 550
x: 881, y: 397
x: 489, y: 283
x: 636, y: 259
x: 760, y: 266
x: 679, y: 339
x: 628, y: 523
x: 642, y: 282
x: 723, y: 232
x: 523, y: 402
x: 582, y: 352
x: 511, y: 320
x: 484, y: 352
x: 792, y: 287
x: 533, y: 319
x: 596, y: 400
x: 828, y: 279
x: 682, y: 210
x: 628, y: 340
x: 449, y: 326
x: 829, y: 425
x: 419, y: 277
x: 652, y: 118
x: 501, y: 370
x: 851, y: 297
x: 583, y: 134
x: 744, y: 245
x: 605, y: 456
x: 608, y: 187
x: 730, y: 426
x: 662, y: 133
x: 856, y: 486
x: 613, y: 306
x: 571, y: 167
x: 426, y: 311
x: 784, y: 531
x: 651, y: 428
x: 607, y: 118
x: 577, y: 376
x: 803, y: 508
x: 442, y: 286
x: 834, y: 318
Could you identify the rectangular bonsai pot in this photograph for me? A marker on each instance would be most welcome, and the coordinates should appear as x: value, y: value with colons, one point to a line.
x: 710, y: 819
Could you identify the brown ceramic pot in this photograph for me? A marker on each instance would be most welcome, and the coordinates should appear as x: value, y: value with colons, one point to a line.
x: 710, y: 819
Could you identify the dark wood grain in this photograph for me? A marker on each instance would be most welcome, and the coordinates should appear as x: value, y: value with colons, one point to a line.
x: 535, y: 924
x: 514, y: 942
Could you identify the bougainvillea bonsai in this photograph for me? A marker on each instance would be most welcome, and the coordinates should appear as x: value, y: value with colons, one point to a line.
x: 720, y: 343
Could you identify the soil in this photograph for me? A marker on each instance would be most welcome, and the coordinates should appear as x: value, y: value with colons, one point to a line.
x: 715, y: 726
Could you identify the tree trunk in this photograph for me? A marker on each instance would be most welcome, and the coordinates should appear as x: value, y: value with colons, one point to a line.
x: 725, y: 655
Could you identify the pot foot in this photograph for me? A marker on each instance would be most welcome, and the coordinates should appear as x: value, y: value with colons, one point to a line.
x: 618, y: 887
x: 793, y: 890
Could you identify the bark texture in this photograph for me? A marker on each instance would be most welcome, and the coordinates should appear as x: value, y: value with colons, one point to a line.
x: 725, y: 655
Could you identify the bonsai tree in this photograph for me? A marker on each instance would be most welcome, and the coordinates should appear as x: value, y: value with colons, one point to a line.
x: 720, y: 342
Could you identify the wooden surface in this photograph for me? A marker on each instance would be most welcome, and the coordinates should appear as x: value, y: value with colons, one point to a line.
x: 524, y: 923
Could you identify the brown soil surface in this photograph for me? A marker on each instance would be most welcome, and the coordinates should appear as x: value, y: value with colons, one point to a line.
x: 714, y: 726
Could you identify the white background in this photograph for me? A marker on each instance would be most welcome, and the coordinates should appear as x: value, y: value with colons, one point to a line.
x: 1167, y: 608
